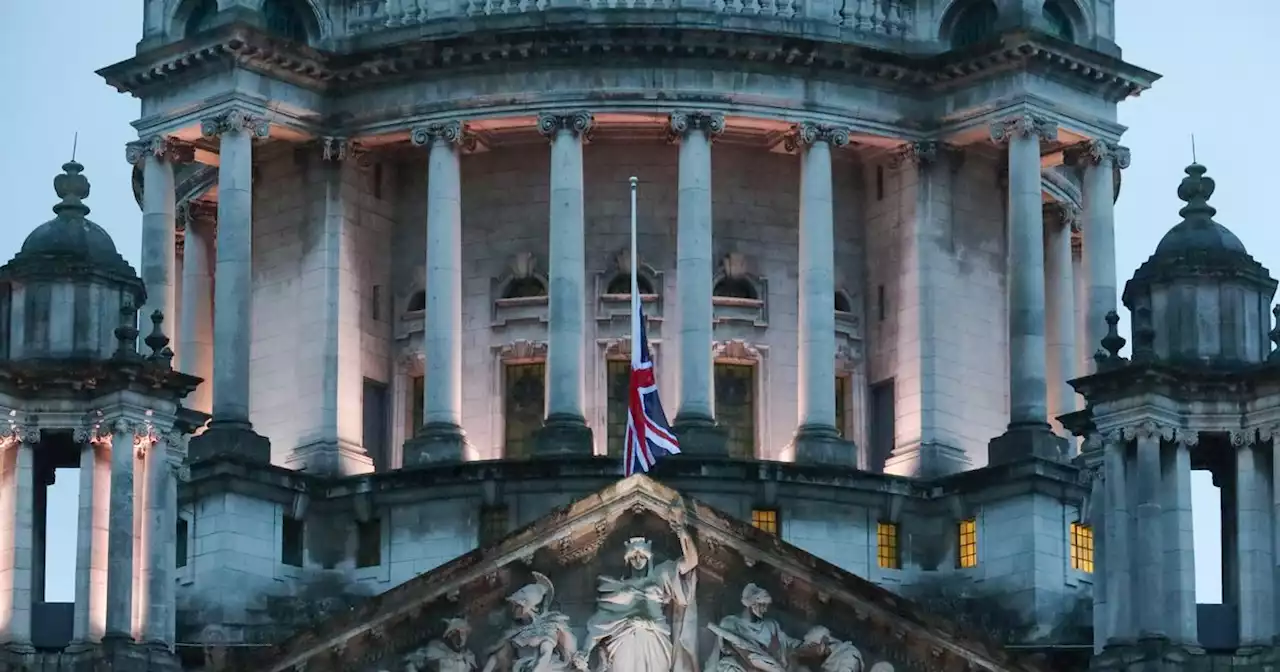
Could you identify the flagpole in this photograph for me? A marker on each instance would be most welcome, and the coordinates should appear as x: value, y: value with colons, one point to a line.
x: 635, y: 283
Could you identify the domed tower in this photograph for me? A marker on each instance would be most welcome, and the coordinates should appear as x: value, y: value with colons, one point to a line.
x: 76, y: 393
x: 1201, y: 390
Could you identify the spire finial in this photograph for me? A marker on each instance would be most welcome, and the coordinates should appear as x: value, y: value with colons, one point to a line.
x: 127, y: 332
x: 1195, y: 189
x: 75, y: 144
x: 72, y: 188
x: 1193, y: 148
x: 1112, y: 342
x: 157, y: 340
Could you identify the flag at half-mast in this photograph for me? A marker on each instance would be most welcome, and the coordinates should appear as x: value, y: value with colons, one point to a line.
x: 649, y: 436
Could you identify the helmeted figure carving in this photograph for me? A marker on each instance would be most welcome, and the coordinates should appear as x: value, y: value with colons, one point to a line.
x: 449, y: 653
x: 825, y: 653
x: 750, y: 642
x: 631, y: 628
x: 540, y: 640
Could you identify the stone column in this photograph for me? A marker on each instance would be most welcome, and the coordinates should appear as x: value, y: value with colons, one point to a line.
x: 1098, y: 159
x: 195, y: 319
x: 161, y: 522
x: 120, y: 560
x: 565, y: 429
x: 695, y: 422
x: 230, y: 431
x: 817, y: 439
x: 1179, y: 543
x: 1149, y: 543
x: 158, y: 155
x: 1028, y: 432
x: 91, y: 536
x: 17, y: 451
x: 1254, y: 567
x: 1060, y: 323
x: 441, y: 437
x: 1119, y: 524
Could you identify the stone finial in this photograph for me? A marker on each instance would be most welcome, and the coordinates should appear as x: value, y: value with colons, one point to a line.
x: 157, y: 340
x: 72, y: 188
x: 127, y: 332
x: 1195, y: 189
x: 1274, y: 334
x: 1109, y: 355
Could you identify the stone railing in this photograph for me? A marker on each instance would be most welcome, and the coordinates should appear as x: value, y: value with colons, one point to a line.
x: 892, y: 19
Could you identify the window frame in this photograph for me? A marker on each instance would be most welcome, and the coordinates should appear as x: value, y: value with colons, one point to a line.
x: 1081, y: 541
x: 967, y: 543
x: 506, y: 366
x: 888, y: 555
x: 767, y: 515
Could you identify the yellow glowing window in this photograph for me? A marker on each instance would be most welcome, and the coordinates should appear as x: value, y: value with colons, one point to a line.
x: 967, y: 535
x: 765, y: 520
x: 1082, y: 547
x: 887, y: 546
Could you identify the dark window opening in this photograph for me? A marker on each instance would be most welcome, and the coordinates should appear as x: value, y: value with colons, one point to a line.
x: 417, y: 302
x: 180, y: 542
x: 285, y: 19
x: 201, y: 17
x: 621, y: 284
x: 842, y: 406
x: 291, y: 534
x: 976, y: 23
x: 880, y: 443
x: 523, y: 288
x: 417, y: 399
x: 369, y: 543
x: 736, y: 407
x: 1059, y: 22
x: 375, y: 303
x: 881, y: 303
x: 375, y: 414
x: 526, y: 400
x: 842, y: 303
x: 879, y: 183
x: 618, y: 372
x: 735, y: 288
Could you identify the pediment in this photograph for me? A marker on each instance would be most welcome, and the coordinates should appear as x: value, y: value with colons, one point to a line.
x: 678, y: 613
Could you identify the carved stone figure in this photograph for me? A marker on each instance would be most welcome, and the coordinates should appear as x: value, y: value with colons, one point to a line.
x: 825, y: 653
x: 750, y: 642
x: 648, y: 621
x: 540, y: 640
x: 449, y: 653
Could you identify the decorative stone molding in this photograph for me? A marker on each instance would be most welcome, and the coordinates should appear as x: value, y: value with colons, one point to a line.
x: 411, y: 363
x: 338, y: 148
x: 617, y: 348
x: 1025, y: 125
x: 452, y: 132
x: 1147, y: 430
x: 726, y: 309
x: 680, y: 123
x: 805, y: 134
x: 579, y: 123
x: 1093, y: 152
x: 1066, y: 213
x: 507, y: 310
x: 736, y: 350
x: 611, y: 306
x: 160, y: 147
x: 1089, y: 474
x: 848, y: 358
x: 521, y: 351
x: 17, y: 432
x: 235, y: 121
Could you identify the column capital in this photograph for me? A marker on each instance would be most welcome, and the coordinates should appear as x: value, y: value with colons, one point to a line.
x: 681, y: 122
x: 1024, y: 125
x: 17, y: 432
x: 197, y: 213
x: 1094, y: 152
x: 1066, y: 213
x: 162, y: 147
x: 807, y: 133
x: 1147, y: 430
x: 235, y: 121
x: 925, y: 153
x: 580, y: 123
x: 452, y: 132
x: 339, y: 148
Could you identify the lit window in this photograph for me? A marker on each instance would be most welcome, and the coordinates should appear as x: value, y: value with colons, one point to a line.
x: 736, y: 407
x: 842, y: 405
x: 369, y: 543
x: 765, y: 520
x: 493, y: 524
x: 526, y: 401
x: 618, y: 372
x: 887, y: 546
x: 1082, y: 547
x: 968, y: 546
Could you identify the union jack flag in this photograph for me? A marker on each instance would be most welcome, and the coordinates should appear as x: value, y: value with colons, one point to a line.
x: 648, y: 434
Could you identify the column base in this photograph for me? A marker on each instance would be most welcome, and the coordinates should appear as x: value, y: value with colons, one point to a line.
x: 330, y: 458
x: 563, y: 434
x: 435, y: 442
x: 230, y: 439
x: 822, y: 444
x: 926, y: 459
x: 1025, y: 440
x: 700, y: 436
x: 19, y: 648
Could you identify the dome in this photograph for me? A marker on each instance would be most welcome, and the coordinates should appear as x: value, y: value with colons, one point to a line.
x: 1198, y: 232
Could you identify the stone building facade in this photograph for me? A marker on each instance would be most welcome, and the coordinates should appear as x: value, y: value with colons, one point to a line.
x: 876, y: 241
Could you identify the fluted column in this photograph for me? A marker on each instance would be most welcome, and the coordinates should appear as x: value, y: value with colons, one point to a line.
x: 17, y: 457
x: 695, y: 422
x: 1149, y: 541
x: 1028, y: 432
x: 1098, y: 159
x: 1119, y: 524
x: 158, y: 155
x: 441, y: 437
x: 1060, y: 323
x: 120, y: 540
x: 195, y: 321
x: 230, y: 430
x: 92, y: 528
x: 817, y: 439
x: 565, y: 428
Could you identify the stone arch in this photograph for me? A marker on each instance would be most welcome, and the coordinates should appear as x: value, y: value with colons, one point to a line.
x: 843, y: 301
x: 1060, y: 188
x: 190, y: 16
x: 417, y: 301
x: 521, y: 279
x: 620, y: 283
x: 733, y: 281
x: 315, y: 19
x: 966, y: 22
x: 619, y: 277
x: 1070, y: 16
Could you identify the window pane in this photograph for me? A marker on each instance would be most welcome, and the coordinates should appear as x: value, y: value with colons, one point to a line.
x: 887, y: 546
x: 618, y: 374
x: 736, y: 407
x: 765, y: 520
x: 525, y: 403
x: 1081, y: 547
x: 968, y: 538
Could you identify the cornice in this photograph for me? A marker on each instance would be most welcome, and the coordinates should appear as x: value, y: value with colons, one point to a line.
x: 243, y: 46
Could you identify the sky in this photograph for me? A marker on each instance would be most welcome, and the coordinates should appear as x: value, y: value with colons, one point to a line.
x: 1208, y: 59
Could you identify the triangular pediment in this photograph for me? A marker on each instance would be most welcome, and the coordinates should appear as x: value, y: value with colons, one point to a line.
x: 563, y: 557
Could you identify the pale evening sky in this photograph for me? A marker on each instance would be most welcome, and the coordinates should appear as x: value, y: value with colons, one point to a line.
x: 1214, y: 64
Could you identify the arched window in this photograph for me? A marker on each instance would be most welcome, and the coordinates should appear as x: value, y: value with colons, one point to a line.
x: 286, y: 19
x: 621, y: 284
x: 1059, y: 23
x: 842, y: 303
x: 417, y: 302
x: 523, y: 288
x: 735, y: 288
x: 201, y: 17
x: 976, y: 23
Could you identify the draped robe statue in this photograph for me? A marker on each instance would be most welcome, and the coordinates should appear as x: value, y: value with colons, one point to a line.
x: 750, y: 642
x: 631, y: 630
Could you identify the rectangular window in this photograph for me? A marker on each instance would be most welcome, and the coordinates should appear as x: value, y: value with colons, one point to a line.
x: 374, y: 409
x: 765, y: 520
x: 879, y: 183
x: 493, y: 524
x: 736, y: 407
x: 887, y: 546
x: 375, y: 303
x: 618, y: 374
x: 525, y: 403
x: 842, y: 406
x: 415, y: 413
x: 180, y: 542
x: 369, y: 543
x: 1082, y: 547
x: 291, y: 535
x: 881, y: 440
x: 967, y: 548
x: 882, y: 304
